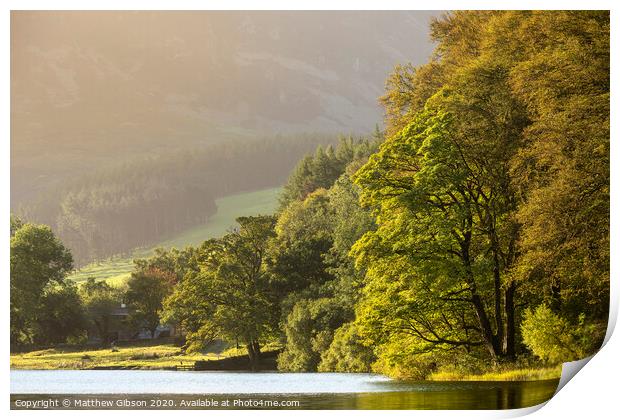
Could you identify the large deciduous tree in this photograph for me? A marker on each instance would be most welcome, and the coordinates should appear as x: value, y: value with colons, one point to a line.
x: 444, y: 239
x: 230, y: 297
x: 61, y: 317
x: 100, y: 301
x: 146, y: 291
x: 492, y: 188
x: 38, y: 261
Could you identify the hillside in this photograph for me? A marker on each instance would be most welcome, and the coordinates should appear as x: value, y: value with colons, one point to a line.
x: 92, y: 88
x: 116, y: 270
x: 138, y: 202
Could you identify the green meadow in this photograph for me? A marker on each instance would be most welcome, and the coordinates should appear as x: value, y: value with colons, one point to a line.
x: 142, y: 355
x: 117, y: 270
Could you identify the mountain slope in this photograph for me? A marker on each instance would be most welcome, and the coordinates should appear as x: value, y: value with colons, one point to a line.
x: 93, y: 87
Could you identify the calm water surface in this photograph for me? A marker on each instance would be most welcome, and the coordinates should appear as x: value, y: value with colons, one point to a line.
x: 313, y: 390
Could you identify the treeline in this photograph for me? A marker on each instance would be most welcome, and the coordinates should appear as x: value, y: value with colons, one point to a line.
x: 139, y: 202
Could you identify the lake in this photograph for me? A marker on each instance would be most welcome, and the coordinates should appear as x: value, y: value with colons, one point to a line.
x: 310, y: 390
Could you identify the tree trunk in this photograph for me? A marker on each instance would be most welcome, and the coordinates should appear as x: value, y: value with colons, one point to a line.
x: 256, y: 346
x: 491, y: 340
x: 509, y: 333
x: 252, y: 356
x: 497, y: 283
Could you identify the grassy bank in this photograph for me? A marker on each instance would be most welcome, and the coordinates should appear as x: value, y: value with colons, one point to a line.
x: 162, y: 356
x: 168, y: 356
x: 501, y: 374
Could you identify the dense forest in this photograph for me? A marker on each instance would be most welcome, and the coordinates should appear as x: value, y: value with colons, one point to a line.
x: 139, y: 202
x: 472, y: 233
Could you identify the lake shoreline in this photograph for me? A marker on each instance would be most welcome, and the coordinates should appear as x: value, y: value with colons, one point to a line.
x: 165, y: 356
x: 507, y: 376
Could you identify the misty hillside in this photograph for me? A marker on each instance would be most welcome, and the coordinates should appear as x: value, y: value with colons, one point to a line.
x: 89, y: 88
x: 127, y: 126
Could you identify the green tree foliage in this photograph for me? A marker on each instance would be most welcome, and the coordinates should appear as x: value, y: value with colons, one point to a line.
x: 303, y: 238
x: 172, y: 262
x: 556, y: 340
x: 323, y: 168
x: 408, y: 89
x: 561, y: 74
x: 230, y: 297
x: 439, y: 224
x: 309, y: 261
x: 100, y: 302
x: 16, y: 223
x: 492, y: 187
x: 347, y: 352
x: 309, y: 330
x: 38, y: 261
x: 349, y: 221
x: 61, y: 317
x: 146, y: 291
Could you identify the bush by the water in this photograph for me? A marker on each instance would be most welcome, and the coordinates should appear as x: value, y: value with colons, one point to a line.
x: 555, y: 340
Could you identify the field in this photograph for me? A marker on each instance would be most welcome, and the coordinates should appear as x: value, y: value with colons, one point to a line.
x: 116, y: 270
x: 135, y: 356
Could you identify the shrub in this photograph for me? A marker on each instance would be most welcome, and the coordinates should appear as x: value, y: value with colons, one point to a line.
x: 556, y: 340
x: 347, y: 353
x: 309, y: 332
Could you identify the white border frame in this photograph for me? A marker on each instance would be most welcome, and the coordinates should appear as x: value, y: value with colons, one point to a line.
x: 592, y: 393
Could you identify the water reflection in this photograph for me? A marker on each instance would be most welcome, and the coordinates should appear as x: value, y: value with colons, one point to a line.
x: 313, y: 391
